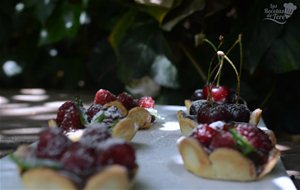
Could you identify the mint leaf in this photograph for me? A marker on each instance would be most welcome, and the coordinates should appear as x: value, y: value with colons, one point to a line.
x: 243, y: 144
x: 26, y: 164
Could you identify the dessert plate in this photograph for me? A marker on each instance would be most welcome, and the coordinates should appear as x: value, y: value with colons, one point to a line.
x: 160, y: 164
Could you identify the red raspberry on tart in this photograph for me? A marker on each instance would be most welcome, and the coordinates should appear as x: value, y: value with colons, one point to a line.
x: 96, y: 161
x: 229, y: 151
x: 121, y: 115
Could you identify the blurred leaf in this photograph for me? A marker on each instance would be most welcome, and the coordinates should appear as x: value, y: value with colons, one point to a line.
x: 65, y: 23
x: 42, y: 8
x: 143, y: 47
x: 121, y: 28
x: 187, y: 8
x: 160, y: 3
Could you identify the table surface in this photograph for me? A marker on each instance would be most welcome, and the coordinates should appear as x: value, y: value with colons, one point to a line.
x: 24, y: 112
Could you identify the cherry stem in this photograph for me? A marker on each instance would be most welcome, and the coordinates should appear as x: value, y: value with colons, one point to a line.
x: 236, y: 73
x: 219, y: 72
x: 213, y: 58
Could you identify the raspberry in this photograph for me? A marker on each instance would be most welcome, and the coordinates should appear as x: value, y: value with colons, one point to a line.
x: 223, y: 139
x: 78, y: 159
x: 216, y: 112
x: 92, y: 110
x: 92, y: 136
x: 52, y: 143
x: 257, y: 137
x: 146, y: 102
x: 127, y: 100
x: 114, y: 151
x: 204, y: 134
x: 68, y: 116
x: 104, y: 96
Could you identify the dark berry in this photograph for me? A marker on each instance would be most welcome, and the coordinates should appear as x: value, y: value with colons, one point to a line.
x: 239, y: 112
x: 127, y: 100
x: 204, y: 134
x: 114, y: 151
x: 197, y: 95
x: 104, y: 96
x: 223, y: 139
x: 68, y: 116
x: 78, y: 158
x: 146, y: 102
x: 92, y: 136
x: 216, y: 112
x: 198, y: 105
x: 257, y: 137
x: 52, y: 143
x: 216, y: 93
x: 93, y: 110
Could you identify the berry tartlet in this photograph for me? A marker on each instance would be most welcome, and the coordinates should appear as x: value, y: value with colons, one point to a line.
x: 121, y: 115
x: 228, y: 151
x: 95, y: 161
x: 222, y: 139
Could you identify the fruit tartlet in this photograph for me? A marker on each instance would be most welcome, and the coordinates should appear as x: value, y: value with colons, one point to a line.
x: 222, y: 139
x: 122, y: 115
x: 228, y: 151
x: 95, y: 161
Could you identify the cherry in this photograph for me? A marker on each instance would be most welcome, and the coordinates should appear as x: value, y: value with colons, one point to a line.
x: 197, y: 95
x: 216, y: 93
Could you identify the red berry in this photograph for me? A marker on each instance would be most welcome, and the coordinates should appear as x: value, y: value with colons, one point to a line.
x: 68, y: 117
x: 92, y: 110
x: 78, y: 159
x: 223, y: 139
x: 52, y: 143
x: 217, y: 93
x: 215, y: 112
x: 92, y: 136
x: 257, y: 137
x: 113, y: 151
x: 197, y: 95
x: 146, y: 102
x: 104, y: 96
x: 204, y: 134
x: 127, y: 100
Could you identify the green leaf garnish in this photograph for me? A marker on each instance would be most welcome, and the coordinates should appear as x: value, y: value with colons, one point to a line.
x: 243, y: 144
x: 26, y: 164
x: 82, y: 111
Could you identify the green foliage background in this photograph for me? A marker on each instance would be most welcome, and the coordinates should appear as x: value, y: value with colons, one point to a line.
x: 121, y: 41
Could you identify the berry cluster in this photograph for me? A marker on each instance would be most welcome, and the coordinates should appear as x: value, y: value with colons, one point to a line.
x: 72, y: 115
x: 208, y: 112
x: 244, y: 137
x: 95, y: 150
